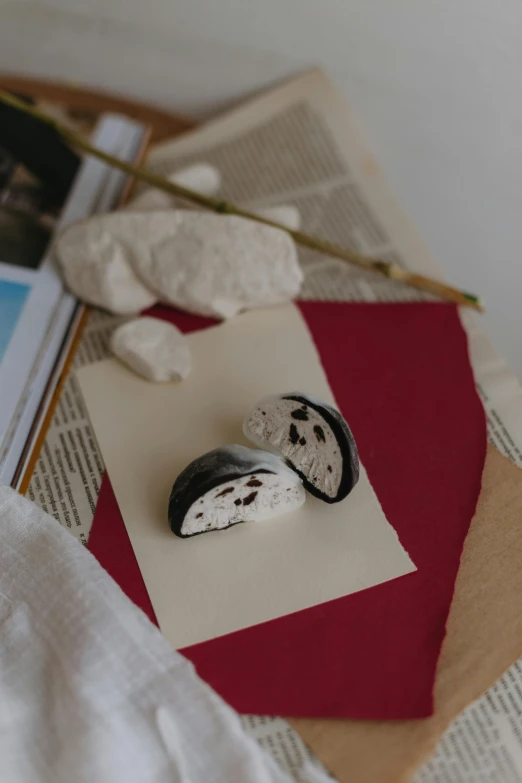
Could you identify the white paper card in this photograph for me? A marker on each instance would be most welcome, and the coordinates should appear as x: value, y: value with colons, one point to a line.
x: 223, y: 581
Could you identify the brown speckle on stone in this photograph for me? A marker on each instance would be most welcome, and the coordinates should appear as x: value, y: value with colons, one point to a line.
x: 294, y: 435
x: 249, y: 498
x: 226, y: 491
x: 319, y: 433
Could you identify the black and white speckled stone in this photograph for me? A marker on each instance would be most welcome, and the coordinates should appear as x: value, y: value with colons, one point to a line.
x: 314, y: 439
x: 229, y: 485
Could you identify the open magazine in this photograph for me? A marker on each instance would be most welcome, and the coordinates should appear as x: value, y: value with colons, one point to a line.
x: 38, y: 317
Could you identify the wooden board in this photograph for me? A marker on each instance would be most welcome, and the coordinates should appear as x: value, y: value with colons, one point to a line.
x: 163, y: 124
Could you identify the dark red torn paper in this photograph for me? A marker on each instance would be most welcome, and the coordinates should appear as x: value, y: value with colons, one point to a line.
x: 401, y: 375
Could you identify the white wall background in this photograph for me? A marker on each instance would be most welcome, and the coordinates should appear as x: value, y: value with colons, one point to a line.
x: 436, y: 85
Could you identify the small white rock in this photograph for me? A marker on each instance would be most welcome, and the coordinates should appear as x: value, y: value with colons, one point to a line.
x: 202, y: 177
x: 96, y: 268
x: 151, y: 200
x: 286, y: 214
x: 154, y: 349
x: 218, y: 265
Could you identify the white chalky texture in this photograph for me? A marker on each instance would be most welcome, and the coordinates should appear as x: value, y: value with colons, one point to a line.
x: 218, y: 265
x: 262, y: 497
x: 154, y: 349
x: 252, y: 494
x: 202, y: 177
x: 286, y: 214
x: 308, y: 443
x: 95, y: 265
x: 151, y: 200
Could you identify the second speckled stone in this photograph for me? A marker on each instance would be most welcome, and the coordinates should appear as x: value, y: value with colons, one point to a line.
x: 314, y: 439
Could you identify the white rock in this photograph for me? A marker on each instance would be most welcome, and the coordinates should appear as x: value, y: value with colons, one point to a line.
x: 286, y: 214
x: 202, y: 177
x: 155, y: 349
x: 95, y: 264
x: 151, y: 200
x: 205, y: 263
x: 218, y: 265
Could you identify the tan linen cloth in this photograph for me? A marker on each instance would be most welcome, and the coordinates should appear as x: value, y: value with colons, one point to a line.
x: 484, y: 637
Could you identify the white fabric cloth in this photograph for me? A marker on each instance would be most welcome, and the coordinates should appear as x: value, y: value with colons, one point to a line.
x: 90, y: 690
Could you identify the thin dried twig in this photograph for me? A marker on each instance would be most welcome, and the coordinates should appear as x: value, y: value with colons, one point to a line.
x: 384, y: 268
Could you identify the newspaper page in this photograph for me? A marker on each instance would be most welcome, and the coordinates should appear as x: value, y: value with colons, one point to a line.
x: 68, y: 474
x: 299, y: 145
x: 484, y: 744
